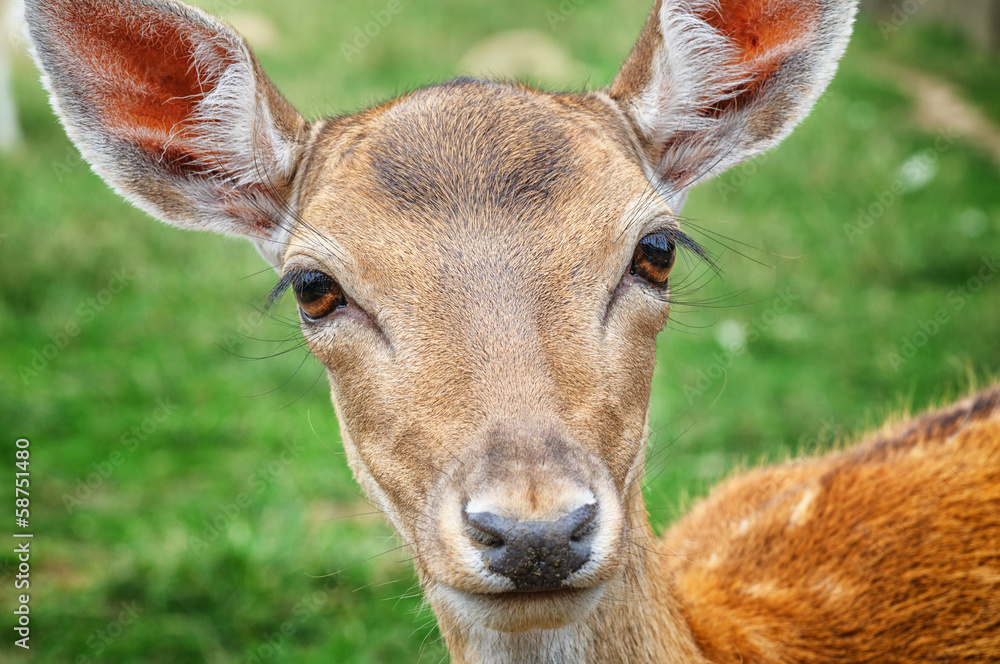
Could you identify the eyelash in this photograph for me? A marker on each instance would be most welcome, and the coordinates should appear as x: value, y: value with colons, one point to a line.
x: 683, y: 240
x: 292, y: 278
x: 680, y: 240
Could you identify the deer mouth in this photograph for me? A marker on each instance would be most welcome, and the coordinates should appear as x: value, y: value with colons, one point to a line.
x: 537, y: 596
x: 541, y: 593
x: 521, y: 611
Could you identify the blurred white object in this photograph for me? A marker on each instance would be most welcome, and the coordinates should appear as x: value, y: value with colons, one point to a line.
x: 523, y: 55
x: 10, y: 132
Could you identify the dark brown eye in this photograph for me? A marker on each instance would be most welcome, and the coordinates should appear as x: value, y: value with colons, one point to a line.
x: 654, y: 258
x: 318, y: 295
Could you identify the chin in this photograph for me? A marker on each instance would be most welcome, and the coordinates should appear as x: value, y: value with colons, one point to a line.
x: 514, y: 612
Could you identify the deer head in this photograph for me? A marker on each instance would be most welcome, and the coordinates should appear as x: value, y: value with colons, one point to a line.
x: 482, y: 268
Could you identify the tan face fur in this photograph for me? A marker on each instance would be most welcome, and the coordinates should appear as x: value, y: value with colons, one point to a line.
x: 485, y: 355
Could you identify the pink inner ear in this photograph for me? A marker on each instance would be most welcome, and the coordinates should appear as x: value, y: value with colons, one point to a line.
x: 139, y: 71
x: 765, y: 31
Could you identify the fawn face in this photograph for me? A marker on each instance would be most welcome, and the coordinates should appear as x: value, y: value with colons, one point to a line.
x: 491, y: 336
x: 482, y: 268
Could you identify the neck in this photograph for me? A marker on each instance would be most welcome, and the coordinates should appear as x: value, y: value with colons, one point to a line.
x: 638, y: 619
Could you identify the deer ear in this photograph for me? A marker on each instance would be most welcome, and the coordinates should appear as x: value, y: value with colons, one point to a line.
x: 711, y: 83
x: 172, y: 109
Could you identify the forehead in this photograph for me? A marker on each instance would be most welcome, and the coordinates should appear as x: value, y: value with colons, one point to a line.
x: 469, y: 165
x: 468, y: 148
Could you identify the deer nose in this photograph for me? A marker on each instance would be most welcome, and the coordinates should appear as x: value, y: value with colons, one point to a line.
x: 535, y: 555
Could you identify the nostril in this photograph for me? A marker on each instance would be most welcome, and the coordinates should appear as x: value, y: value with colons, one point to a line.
x: 486, y: 539
x: 581, y: 522
x: 487, y: 528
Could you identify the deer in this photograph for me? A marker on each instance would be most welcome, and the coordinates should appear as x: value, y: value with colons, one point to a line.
x: 483, y: 268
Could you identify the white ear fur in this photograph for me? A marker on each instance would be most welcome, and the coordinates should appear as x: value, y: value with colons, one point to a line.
x: 705, y: 93
x: 224, y: 162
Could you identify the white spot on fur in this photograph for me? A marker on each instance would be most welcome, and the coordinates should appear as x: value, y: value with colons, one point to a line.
x: 828, y: 589
x: 762, y: 589
x: 987, y: 575
x: 801, y: 513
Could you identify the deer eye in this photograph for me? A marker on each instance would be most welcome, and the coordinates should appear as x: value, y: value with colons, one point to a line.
x: 318, y: 295
x: 654, y: 258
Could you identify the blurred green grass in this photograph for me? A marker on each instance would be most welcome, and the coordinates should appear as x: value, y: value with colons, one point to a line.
x: 175, y: 475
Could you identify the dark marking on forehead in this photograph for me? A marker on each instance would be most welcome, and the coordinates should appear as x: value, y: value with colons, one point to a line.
x: 468, y: 147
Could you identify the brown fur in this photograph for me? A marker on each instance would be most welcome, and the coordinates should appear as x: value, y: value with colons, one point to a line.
x: 496, y: 349
x: 886, y: 552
